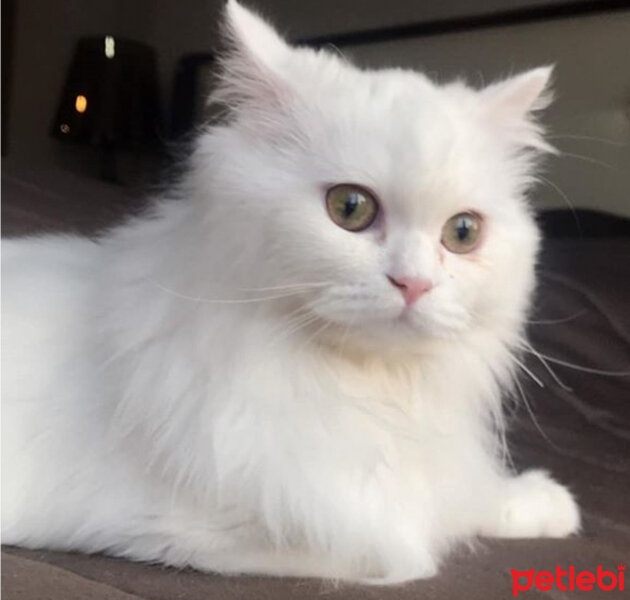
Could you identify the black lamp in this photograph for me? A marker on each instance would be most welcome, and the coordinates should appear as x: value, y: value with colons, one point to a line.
x: 110, y: 99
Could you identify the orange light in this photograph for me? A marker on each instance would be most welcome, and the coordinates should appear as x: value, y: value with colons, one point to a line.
x: 80, y: 104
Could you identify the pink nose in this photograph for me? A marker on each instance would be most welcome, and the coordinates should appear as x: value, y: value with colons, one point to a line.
x: 411, y: 287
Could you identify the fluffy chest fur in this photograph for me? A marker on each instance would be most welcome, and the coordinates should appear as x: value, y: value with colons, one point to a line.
x: 243, y: 414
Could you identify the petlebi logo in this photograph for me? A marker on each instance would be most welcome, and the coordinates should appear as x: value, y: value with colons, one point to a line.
x: 606, y: 581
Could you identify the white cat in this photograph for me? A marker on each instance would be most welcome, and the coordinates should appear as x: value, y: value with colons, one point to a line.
x: 295, y: 365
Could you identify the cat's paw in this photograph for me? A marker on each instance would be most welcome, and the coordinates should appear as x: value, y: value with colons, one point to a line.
x: 537, y: 506
x: 401, y: 574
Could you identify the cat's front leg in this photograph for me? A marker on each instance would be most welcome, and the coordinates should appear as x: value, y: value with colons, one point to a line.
x: 297, y: 563
x: 184, y: 540
x: 533, y: 505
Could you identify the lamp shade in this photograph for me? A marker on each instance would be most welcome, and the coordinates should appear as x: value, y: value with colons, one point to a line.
x: 110, y: 97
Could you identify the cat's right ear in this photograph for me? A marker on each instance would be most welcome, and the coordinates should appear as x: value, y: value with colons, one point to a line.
x: 510, y: 105
x: 253, y: 60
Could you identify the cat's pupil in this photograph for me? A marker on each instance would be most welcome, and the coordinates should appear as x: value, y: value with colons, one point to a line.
x: 462, y: 229
x: 351, y: 205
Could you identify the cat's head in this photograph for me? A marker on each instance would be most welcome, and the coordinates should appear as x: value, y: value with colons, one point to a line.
x: 397, y: 202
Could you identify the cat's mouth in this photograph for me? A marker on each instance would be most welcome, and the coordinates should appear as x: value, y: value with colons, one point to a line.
x: 405, y: 315
x: 356, y: 313
x: 410, y: 325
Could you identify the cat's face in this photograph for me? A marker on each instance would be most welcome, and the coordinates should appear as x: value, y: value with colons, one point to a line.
x: 400, y: 201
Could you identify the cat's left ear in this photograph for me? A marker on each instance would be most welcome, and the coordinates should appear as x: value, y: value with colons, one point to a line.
x: 253, y: 60
x: 512, y: 105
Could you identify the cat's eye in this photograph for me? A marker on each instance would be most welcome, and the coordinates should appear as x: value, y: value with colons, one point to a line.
x: 351, y: 207
x: 462, y: 233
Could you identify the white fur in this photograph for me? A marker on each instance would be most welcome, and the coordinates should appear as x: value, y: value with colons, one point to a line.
x: 231, y: 382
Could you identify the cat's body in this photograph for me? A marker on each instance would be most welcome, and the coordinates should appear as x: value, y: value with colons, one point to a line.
x: 231, y: 384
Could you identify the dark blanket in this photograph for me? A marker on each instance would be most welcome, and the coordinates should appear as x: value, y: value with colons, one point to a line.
x: 580, y: 432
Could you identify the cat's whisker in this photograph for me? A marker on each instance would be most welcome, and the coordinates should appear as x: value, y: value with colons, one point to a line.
x: 593, y: 299
x: 587, y: 138
x: 305, y: 322
x: 287, y: 287
x: 532, y: 415
x: 559, y: 191
x: 582, y: 368
x: 300, y: 321
x: 556, y: 321
x: 528, y: 371
x: 326, y: 324
x: 500, y: 432
x: 590, y: 160
x: 317, y: 332
x: 336, y: 50
x: 294, y: 316
x: 202, y: 300
x: 294, y: 324
x: 545, y: 364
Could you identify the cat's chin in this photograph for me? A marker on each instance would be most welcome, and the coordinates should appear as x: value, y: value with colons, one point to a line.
x: 405, y: 332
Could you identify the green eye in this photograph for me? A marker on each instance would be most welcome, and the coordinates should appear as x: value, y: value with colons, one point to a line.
x: 462, y: 233
x: 351, y: 207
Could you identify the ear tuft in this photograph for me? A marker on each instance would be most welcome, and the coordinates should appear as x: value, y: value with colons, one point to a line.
x: 252, y: 62
x: 248, y: 33
x: 521, y: 94
x: 511, y: 103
